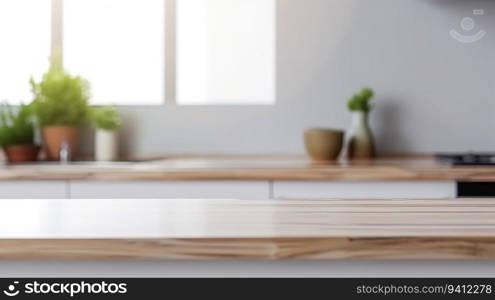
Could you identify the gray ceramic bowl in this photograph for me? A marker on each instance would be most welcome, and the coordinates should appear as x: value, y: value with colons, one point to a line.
x: 323, y: 144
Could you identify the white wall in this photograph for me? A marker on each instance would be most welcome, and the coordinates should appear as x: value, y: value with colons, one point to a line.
x: 434, y: 93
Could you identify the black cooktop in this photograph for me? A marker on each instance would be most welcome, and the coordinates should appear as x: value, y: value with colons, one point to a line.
x: 467, y: 159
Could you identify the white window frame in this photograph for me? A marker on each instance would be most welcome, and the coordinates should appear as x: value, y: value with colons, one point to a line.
x: 170, y: 97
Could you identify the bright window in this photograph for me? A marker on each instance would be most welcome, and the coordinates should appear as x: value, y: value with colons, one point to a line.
x: 225, y: 52
x: 24, y: 46
x: 144, y: 52
x: 119, y: 47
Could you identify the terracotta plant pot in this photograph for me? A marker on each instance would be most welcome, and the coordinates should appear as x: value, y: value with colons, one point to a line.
x: 21, y: 152
x: 55, y: 136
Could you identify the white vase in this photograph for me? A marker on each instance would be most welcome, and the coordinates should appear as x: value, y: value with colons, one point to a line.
x: 106, y: 145
x: 360, y: 142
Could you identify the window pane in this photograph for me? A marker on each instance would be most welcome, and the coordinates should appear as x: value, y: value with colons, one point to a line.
x: 118, y: 45
x: 226, y: 51
x: 24, y: 46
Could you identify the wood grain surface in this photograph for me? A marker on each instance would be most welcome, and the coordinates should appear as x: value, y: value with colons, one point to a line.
x: 253, y: 168
x: 247, y: 229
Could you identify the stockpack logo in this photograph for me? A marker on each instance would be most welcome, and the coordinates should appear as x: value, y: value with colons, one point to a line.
x: 70, y: 289
x: 12, y: 290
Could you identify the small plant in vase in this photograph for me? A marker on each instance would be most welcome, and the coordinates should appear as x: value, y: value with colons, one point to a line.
x: 61, y: 106
x: 107, y: 121
x: 360, y: 143
x: 17, y: 134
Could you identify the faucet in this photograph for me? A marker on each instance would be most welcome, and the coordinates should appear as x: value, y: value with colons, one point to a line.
x: 64, y: 152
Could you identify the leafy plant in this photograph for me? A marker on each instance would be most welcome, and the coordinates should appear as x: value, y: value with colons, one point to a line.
x: 16, y: 127
x: 361, y: 101
x: 60, y: 98
x: 106, y: 117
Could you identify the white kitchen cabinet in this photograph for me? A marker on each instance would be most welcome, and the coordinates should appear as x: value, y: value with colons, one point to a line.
x: 363, y: 190
x: 226, y: 189
x: 35, y: 189
x: 169, y: 189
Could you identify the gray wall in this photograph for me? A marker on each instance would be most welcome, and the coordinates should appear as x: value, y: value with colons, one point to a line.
x: 433, y: 93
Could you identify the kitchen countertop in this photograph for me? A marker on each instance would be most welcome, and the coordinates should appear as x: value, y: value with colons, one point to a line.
x: 247, y: 229
x: 251, y: 168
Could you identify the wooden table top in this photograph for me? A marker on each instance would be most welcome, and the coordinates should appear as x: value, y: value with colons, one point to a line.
x: 247, y: 229
x: 253, y: 168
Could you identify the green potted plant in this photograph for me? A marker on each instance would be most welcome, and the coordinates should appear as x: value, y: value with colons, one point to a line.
x: 360, y: 143
x: 61, y: 107
x: 17, y: 134
x: 106, y: 120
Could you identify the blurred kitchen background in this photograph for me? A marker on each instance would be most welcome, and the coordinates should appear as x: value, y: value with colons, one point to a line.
x: 303, y: 59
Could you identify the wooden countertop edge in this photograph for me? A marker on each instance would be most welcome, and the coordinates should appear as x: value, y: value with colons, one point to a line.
x: 354, y: 173
x: 332, y: 248
x: 398, y: 167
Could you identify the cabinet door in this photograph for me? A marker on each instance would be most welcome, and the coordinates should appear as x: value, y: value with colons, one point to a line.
x: 33, y: 189
x: 169, y: 189
x: 364, y: 190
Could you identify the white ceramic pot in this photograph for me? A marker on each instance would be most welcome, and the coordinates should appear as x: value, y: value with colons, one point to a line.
x: 106, y: 145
